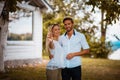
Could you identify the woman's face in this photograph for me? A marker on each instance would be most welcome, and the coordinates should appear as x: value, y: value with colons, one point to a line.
x: 56, y: 31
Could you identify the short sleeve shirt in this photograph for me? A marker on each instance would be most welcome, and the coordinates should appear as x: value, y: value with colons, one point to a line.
x: 71, y: 45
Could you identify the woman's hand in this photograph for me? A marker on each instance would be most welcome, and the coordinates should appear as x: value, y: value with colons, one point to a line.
x: 50, y: 37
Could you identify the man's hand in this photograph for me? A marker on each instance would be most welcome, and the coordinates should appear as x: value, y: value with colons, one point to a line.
x: 51, y: 56
x: 70, y: 56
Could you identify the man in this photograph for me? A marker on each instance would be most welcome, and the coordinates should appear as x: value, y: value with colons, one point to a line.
x: 75, y: 45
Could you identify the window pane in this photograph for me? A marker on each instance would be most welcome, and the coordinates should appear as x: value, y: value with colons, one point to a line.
x: 20, y: 26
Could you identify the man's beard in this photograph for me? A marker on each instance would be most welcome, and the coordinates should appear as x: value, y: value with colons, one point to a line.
x: 69, y: 30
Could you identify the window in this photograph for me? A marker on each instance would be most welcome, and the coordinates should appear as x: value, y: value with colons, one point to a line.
x: 20, y: 26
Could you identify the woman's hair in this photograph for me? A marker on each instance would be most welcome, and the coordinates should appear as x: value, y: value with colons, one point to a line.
x: 49, y: 31
x: 54, y: 26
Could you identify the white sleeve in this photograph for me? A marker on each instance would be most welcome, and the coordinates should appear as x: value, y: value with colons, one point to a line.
x: 84, y: 43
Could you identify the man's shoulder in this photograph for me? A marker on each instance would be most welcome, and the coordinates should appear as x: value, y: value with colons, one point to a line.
x: 79, y: 33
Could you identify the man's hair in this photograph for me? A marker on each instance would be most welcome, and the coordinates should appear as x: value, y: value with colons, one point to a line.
x: 68, y: 18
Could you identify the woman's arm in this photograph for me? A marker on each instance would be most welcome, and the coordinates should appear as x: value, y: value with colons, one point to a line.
x: 51, y: 44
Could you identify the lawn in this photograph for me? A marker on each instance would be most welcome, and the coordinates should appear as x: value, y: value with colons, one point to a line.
x: 100, y: 69
x: 92, y: 69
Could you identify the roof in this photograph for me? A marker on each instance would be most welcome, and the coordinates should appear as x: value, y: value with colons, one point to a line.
x: 40, y: 3
x: 31, y: 4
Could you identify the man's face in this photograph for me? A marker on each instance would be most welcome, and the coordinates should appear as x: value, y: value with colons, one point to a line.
x: 68, y: 25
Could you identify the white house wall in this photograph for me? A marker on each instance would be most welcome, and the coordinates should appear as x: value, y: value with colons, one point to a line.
x: 37, y: 32
x: 27, y: 50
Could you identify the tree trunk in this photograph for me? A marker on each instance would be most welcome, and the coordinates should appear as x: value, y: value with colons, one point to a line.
x: 3, y: 41
x: 102, y: 27
x: 1, y: 6
x: 2, y: 38
x: 103, y: 36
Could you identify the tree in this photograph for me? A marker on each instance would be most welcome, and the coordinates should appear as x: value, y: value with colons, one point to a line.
x: 6, y: 6
x: 116, y: 37
x: 110, y: 10
x: 70, y: 8
x: 60, y: 10
x: 83, y: 23
x: 1, y: 45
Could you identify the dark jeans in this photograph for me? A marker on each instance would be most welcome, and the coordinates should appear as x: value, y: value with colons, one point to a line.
x: 71, y: 73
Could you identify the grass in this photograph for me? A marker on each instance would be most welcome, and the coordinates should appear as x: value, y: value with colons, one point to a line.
x: 100, y: 69
x: 92, y: 69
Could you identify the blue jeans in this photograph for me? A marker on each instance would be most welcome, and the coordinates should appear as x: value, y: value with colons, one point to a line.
x: 71, y: 73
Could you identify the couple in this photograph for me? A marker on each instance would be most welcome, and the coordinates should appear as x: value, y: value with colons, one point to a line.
x: 65, y: 52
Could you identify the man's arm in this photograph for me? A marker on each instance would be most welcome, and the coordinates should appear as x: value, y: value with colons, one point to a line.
x: 83, y: 52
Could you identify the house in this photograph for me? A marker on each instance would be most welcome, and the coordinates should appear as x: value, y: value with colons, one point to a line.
x: 27, y: 52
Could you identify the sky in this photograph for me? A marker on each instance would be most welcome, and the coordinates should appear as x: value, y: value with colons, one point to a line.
x: 113, y: 30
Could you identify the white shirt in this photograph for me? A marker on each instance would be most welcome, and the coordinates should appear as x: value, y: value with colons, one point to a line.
x: 58, y: 57
x: 74, y: 44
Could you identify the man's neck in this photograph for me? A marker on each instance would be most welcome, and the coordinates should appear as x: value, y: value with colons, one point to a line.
x: 70, y: 33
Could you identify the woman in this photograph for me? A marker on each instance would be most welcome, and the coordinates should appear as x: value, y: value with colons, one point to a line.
x: 53, y: 70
